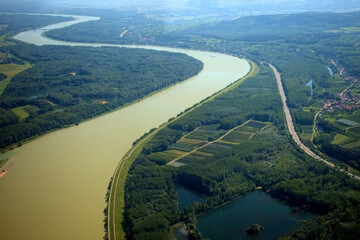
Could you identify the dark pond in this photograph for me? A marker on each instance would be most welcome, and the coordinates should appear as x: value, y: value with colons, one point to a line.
x: 231, y: 220
x: 186, y: 197
x: 273, y: 160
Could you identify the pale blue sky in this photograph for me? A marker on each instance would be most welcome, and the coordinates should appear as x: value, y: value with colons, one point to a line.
x: 271, y: 5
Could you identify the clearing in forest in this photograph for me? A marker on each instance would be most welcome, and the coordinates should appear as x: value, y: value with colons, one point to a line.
x: 206, y: 141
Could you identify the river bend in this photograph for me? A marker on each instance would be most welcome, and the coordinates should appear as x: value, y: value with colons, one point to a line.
x: 56, y: 189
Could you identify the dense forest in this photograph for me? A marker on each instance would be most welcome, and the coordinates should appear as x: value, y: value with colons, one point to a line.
x: 277, y: 27
x: 67, y: 85
x: 116, y: 27
x: 150, y: 198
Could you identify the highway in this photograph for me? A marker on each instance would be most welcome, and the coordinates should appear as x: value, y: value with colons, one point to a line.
x: 291, y: 127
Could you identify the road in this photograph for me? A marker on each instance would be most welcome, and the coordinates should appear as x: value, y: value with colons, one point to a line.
x: 291, y: 127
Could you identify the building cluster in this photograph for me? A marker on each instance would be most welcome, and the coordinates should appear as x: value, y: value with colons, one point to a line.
x: 349, y: 100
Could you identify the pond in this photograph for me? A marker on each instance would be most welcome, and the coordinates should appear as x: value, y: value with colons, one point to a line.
x: 229, y: 222
x: 186, y: 197
x: 330, y: 71
x: 310, y: 84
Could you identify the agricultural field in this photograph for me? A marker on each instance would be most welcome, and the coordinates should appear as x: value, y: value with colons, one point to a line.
x: 347, y: 129
x: 9, y: 67
x: 237, y: 137
x: 353, y: 145
x: 21, y: 112
x: 338, y: 137
x: 348, y: 122
x: 354, y: 132
x: 206, y: 141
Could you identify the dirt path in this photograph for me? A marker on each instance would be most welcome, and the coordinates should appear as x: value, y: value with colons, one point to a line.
x: 291, y: 127
x: 207, y: 144
x: 116, y: 180
x: 123, y: 33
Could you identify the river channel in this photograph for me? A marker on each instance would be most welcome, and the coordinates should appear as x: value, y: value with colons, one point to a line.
x: 56, y: 189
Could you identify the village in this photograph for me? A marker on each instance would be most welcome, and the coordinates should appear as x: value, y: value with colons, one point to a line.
x: 349, y: 99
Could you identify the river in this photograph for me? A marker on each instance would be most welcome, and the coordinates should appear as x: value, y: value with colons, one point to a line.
x: 56, y: 189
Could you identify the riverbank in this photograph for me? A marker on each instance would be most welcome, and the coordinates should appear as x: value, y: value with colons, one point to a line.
x: 116, y: 199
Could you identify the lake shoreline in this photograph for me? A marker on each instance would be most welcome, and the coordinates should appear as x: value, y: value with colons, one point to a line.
x: 256, y: 207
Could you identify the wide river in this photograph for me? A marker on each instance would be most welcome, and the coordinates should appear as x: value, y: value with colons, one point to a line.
x: 56, y: 189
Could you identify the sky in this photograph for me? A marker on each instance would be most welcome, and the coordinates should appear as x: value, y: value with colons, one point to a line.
x: 245, y: 5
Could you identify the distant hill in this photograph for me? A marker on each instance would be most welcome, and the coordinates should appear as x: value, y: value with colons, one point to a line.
x: 269, y: 27
x: 243, y: 7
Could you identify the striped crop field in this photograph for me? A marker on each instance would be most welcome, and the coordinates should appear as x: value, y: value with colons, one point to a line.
x: 237, y: 136
x: 206, y: 141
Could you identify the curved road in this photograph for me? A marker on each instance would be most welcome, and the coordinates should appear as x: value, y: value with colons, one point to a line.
x: 291, y: 127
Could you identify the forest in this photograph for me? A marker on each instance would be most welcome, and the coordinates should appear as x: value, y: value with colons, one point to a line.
x: 150, y: 198
x: 63, y: 87
x: 138, y: 27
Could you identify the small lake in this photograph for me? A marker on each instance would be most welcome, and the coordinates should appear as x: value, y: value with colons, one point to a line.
x: 330, y: 71
x: 310, y: 84
x: 230, y: 221
x: 186, y: 197
x: 273, y: 160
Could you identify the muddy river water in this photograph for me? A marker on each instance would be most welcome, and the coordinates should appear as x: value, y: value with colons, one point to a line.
x: 56, y: 189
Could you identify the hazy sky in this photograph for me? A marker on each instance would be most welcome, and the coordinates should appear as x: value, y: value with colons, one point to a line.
x: 171, y: 4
